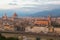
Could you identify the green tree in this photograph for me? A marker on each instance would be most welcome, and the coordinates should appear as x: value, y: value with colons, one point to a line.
x: 12, y: 38
x: 2, y: 37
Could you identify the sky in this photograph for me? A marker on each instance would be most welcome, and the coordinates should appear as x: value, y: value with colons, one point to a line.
x: 28, y: 6
x: 13, y: 4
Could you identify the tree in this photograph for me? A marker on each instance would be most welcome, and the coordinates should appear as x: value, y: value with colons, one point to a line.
x: 12, y: 38
x: 2, y: 37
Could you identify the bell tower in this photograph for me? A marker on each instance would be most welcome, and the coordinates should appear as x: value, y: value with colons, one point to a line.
x: 4, y: 17
x: 51, y: 28
x: 49, y: 20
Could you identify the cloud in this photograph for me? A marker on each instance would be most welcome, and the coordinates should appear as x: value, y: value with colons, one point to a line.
x: 39, y: 8
x: 11, y: 4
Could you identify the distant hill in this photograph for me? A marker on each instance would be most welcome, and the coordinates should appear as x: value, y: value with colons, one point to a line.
x: 55, y: 12
x: 11, y: 12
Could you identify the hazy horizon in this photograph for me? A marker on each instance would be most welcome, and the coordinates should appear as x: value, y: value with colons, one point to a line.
x: 25, y: 7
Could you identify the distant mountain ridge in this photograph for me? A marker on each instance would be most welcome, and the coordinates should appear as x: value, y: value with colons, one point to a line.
x: 55, y: 12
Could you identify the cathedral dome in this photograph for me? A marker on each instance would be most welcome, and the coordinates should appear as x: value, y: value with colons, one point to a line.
x: 15, y: 14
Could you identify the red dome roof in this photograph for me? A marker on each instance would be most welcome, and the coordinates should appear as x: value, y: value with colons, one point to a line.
x: 15, y: 14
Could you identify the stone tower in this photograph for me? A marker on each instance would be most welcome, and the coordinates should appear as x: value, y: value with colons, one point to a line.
x: 51, y: 28
x: 49, y: 20
x: 4, y: 17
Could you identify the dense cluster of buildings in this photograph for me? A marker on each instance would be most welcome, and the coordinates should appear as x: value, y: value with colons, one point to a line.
x: 28, y: 24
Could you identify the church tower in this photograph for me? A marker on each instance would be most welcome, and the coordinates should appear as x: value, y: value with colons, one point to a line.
x: 51, y: 28
x: 4, y: 17
x: 49, y: 20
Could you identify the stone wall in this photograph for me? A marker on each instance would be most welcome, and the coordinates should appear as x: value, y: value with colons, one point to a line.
x: 36, y: 29
x: 57, y: 30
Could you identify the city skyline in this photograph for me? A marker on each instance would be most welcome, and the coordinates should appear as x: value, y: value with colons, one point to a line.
x: 29, y: 19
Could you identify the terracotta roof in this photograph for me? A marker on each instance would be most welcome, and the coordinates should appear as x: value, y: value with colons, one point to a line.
x: 15, y: 14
